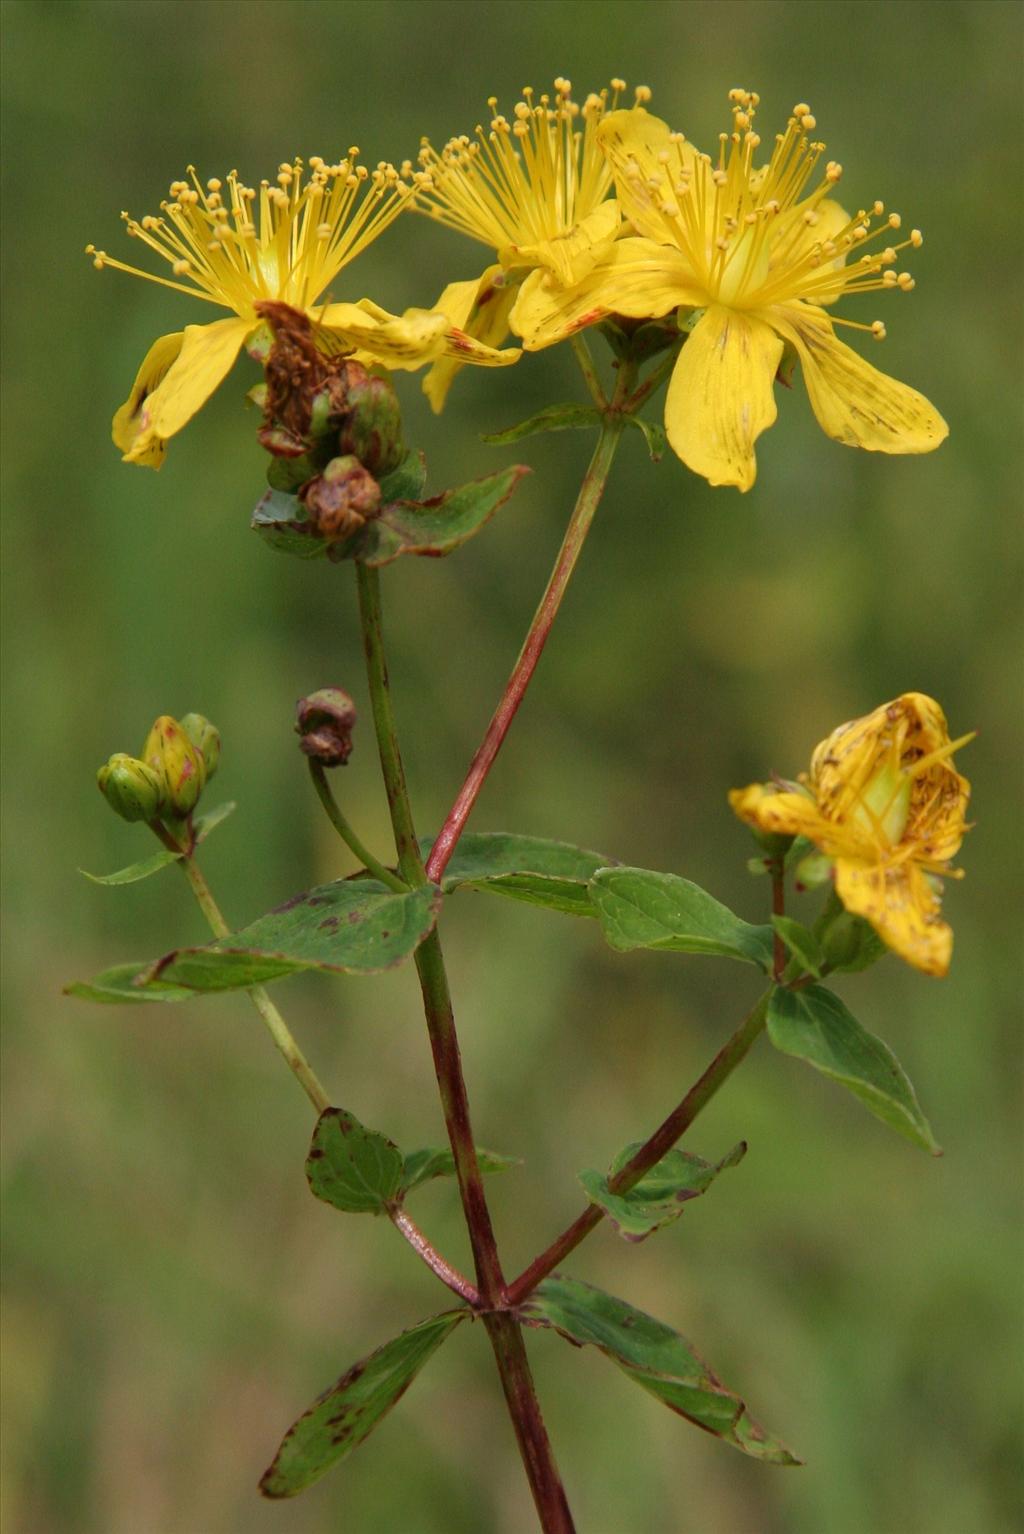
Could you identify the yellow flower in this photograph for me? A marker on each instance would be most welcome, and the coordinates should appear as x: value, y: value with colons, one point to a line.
x: 535, y: 190
x: 237, y: 246
x: 885, y: 803
x: 757, y: 249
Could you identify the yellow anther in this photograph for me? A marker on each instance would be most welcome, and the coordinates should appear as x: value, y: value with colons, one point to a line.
x: 180, y: 268
x: 521, y: 110
x: 808, y: 121
x: 916, y: 238
x: 833, y: 171
x: 642, y: 94
x: 742, y: 120
x: 563, y: 86
x: 877, y: 208
x: 905, y: 281
x: 878, y: 330
x: 720, y: 178
x: 894, y: 221
x: 888, y: 256
x: 889, y: 279
x: 617, y: 84
x: 801, y: 110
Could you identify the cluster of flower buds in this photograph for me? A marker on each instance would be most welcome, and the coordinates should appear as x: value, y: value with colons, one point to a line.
x: 324, y: 723
x: 165, y: 782
x: 333, y: 429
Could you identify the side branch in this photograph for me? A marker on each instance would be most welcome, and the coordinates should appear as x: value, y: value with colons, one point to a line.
x: 649, y: 1154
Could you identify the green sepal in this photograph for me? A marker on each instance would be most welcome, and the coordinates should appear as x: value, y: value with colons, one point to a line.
x: 801, y: 943
x: 116, y: 985
x: 530, y: 868
x: 653, y: 435
x: 815, y: 1026
x: 339, y: 1420
x: 352, y: 927
x: 436, y: 527
x: 849, y: 943
x: 661, y: 1195
x: 202, y: 825
x: 351, y: 1167
x: 407, y: 481
x: 655, y: 1357
x: 570, y: 417
x: 641, y: 909
x: 424, y: 1165
x: 281, y: 521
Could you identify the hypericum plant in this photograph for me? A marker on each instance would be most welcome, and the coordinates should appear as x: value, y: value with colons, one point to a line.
x: 708, y: 271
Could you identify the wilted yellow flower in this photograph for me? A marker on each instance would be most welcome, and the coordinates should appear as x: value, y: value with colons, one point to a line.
x: 885, y: 803
x: 237, y: 246
x: 535, y: 189
x: 757, y: 249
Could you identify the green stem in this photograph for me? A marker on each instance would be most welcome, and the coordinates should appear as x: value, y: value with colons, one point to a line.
x: 650, y: 1153
x: 348, y: 835
x: 502, y: 1329
x: 589, y: 371
x: 276, y: 1025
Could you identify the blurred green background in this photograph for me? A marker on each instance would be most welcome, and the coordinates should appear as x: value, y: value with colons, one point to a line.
x: 174, y: 1296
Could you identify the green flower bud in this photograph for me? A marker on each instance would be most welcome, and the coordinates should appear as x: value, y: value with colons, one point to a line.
x: 372, y: 427
x: 206, y: 739
x: 179, y: 764
x: 324, y: 722
x: 848, y: 942
x: 342, y: 499
x: 133, y: 790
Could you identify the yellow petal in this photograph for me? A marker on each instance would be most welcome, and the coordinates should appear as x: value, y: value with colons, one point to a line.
x: 793, y: 238
x: 854, y: 402
x: 786, y: 814
x: 634, y: 142
x: 403, y: 341
x: 208, y: 353
x: 637, y: 278
x: 569, y: 257
x: 478, y: 309
x: 721, y: 395
x: 126, y: 424
x: 903, y: 908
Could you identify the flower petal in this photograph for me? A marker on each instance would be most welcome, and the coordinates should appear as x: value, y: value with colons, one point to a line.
x: 569, y: 257
x: 126, y: 425
x: 637, y: 278
x: 901, y: 904
x: 721, y: 397
x: 634, y: 142
x: 207, y: 355
x: 477, y: 310
x: 785, y: 814
x: 403, y: 341
x: 854, y: 402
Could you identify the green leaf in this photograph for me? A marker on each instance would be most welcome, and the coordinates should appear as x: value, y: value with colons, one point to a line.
x: 653, y: 434
x: 530, y: 868
x: 801, y: 943
x: 437, y: 1161
x: 136, y: 871
x: 434, y: 528
x: 115, y: 985
x: 655, y: 1357
x: 351, y: 927
x: 553, y: 418
x: 639, y: 909
x: 202, y: 827
x: 341, y: 1418
x: 282, y: 523
x: 814, y: 1025
x: 661, y: 1194
x: 352, y: 1167
x: 407, y: 481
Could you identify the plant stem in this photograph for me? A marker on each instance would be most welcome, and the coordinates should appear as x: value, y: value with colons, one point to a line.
x: 777, y: 868
x: 276, y: 1025
x: 586, y: 364
x: 587, y: 503
x: 502, y: 1329
x: 348, y: 835
x: 433, y: 1259
x: 651, y: 1152
x: 655, y: 378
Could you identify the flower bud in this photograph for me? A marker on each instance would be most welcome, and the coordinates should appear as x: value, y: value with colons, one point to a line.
x: 848, y: 942
x: 372, y: 427
x: 324, y: 722
x: 133, y: 790
x: 206, y: 739
x: 178, y: 763
x: 342, y: 499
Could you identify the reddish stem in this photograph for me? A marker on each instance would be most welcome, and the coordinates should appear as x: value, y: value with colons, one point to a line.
x: 649, y: 1154
x: 456, y: 1281
x: 587, y: 503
